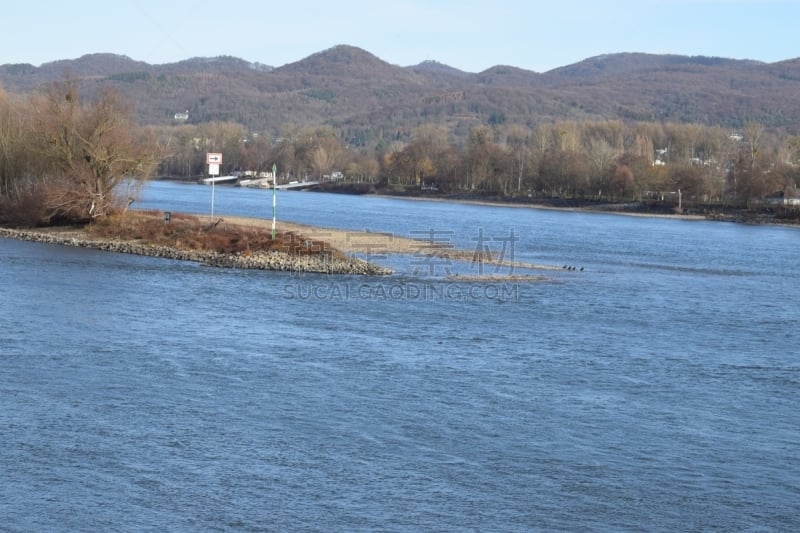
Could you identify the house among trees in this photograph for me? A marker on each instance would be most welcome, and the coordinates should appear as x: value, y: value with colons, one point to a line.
x: 183, y: 117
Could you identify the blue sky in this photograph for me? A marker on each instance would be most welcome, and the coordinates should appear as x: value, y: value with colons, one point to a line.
x: 471, y: 35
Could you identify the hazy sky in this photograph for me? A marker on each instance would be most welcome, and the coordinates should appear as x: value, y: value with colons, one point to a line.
x: 471, y: 35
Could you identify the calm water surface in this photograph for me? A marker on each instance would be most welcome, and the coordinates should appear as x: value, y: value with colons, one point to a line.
x: 658, y: 389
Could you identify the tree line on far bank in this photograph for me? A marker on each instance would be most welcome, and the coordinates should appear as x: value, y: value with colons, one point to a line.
x: 607, y: 160
x: 63, y: 159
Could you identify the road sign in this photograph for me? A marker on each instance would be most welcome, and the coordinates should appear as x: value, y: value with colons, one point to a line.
x: 214, y: 160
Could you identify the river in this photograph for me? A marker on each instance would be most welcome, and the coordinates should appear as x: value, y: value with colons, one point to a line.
x: 656, y: 389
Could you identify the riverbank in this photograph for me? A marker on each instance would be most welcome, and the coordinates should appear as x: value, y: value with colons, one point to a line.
x: 533, y: 205
x: 767, y: 214
x: 323, y: 250
x: 372, y: 243
x: 323, y: 263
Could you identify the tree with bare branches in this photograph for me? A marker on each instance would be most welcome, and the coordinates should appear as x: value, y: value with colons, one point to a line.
x: 88, y: 151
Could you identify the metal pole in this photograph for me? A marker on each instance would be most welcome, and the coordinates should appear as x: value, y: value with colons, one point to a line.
x: 274, y: 201
x: 212, y: 197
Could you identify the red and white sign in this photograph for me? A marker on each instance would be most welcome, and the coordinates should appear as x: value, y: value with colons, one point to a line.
x: 213, y: 158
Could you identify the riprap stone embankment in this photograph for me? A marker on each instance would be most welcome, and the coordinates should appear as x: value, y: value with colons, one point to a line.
x: 281, y: 261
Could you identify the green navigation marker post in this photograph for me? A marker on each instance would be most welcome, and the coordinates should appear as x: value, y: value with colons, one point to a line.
x: 274, y: 201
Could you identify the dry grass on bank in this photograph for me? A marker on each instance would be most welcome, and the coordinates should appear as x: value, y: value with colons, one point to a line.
x: 189, y: 232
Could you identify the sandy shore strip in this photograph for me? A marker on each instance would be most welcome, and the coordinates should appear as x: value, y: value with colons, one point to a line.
x: 347, y: 241
x: 360, y: 246
x: 375, y: 243
x: 494, y: 203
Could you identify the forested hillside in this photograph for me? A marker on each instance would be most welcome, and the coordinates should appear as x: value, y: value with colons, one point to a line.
x: 625, y: 127
x: 369, y: 99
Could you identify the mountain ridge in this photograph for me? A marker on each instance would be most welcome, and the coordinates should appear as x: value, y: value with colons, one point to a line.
x: 350, y: 88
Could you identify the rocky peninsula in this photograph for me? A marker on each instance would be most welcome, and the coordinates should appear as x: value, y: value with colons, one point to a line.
x: 325, y: 263
x: 245, y: 243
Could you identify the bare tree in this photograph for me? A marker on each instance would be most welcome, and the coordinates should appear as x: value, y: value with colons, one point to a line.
x: 518, y: 141
x: 478, y: 163
x: 322, y: 159
x: 13, y: 140
x: 600, y: 155
x: 543, y: 138
x: 89, y: 150
x: 753, y: 132
x: 622, y: 181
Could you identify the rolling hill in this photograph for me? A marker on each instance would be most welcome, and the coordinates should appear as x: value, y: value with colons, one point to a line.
x: 367, y: 98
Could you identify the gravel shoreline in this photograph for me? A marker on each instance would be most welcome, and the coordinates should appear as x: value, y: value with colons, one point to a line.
x: 279, y: 261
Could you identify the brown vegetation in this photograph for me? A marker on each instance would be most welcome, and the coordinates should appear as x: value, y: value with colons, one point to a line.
x: 188, y: 232
x: 619, y: 128
x: 601, y: 161
x: 370, y: 101
x: 64, y: 160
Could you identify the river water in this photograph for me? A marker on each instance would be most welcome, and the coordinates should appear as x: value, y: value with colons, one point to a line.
x: 656, y: 389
